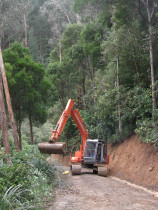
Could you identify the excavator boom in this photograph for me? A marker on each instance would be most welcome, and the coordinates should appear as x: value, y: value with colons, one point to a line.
x: 54, y: 147
x: 62, y: 121
x: 78, y: 120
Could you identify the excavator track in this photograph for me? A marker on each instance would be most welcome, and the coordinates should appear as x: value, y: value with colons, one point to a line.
x: 75, y: 169
x: 103, y: 170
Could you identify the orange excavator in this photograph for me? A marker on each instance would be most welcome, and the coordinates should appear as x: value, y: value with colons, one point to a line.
x: 92, y: 154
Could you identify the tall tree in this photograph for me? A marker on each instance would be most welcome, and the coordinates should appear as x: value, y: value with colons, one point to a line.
x: 3, y: 120
x: 28, y: 86
x: 73, y: 52
x: 150, y: 7
x: 112, y: 49
x: 22, y: 9
x: 6, y: 23
x: 38, y: 33
x: 59, y: 13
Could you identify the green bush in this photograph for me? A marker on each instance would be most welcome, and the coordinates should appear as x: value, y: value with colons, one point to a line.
x: 14, y: 174
x: 148, y: 130
x: 26, y: 182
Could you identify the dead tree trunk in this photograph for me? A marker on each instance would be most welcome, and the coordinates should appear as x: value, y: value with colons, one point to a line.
x: 10, y: 110
x: 3, y: 120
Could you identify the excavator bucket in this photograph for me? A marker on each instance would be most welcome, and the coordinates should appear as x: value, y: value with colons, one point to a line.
x: 52, y: 148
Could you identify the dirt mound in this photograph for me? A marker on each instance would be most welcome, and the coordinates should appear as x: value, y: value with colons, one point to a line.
x: 135, y: 162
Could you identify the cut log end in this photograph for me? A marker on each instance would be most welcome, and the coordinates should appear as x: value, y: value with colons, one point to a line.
x: 52, y: 148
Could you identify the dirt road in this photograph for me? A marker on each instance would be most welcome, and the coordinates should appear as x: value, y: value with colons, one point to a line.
x: 92, y: 192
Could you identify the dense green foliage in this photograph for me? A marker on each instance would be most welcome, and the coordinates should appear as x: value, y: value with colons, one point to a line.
x: 28, y: 85
x: 26, y: 182
x: 99, y: 56
x: 28, y: 77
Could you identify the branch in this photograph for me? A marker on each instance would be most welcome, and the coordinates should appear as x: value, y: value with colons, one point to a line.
x: 139, y: 10
x: 153, y: 9
x: 145, y: 4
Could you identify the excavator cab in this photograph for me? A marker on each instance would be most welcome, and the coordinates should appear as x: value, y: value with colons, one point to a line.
x: 95, y: 152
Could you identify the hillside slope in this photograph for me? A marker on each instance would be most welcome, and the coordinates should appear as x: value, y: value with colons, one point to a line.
x: 135, y: 162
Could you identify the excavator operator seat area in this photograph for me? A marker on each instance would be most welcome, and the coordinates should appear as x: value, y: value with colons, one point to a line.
x: 95, y: 151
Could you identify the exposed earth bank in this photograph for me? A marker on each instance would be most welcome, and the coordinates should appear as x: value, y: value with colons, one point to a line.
x: 135, y: 162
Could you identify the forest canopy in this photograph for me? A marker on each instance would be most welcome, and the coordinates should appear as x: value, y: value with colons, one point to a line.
x: 102, y: 54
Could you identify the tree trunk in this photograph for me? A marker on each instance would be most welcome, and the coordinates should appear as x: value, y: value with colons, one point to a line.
x: 10, y: 111
x: 19, y: 132
x: 25, y: 30
x: 118, y: 97
x: 134, y: 55
x: 83, y: 82
x: 62, y: 95
x: 152, y: 71
x: 79, y: 90
x: 150, y: 13
x: 60, y: 53
x: 31, y: 130
x: 3, y: 120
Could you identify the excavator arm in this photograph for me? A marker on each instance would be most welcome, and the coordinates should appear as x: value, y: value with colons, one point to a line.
x: 52, y: 147
x: 62, y: 121
x: 83, y: 131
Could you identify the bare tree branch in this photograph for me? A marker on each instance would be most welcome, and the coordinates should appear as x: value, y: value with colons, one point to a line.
x: 145, y: 4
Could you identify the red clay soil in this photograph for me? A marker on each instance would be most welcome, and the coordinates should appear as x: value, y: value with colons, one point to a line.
x: 135, y: 162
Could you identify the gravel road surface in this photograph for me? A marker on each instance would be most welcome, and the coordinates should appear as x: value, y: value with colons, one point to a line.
x: 92, y: 192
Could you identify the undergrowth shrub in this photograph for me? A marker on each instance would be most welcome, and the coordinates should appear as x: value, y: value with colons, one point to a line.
x: 147, y: 131
x: 26, y: 182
